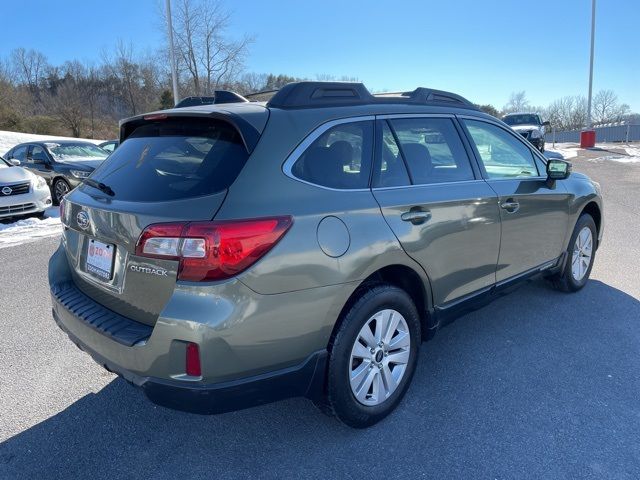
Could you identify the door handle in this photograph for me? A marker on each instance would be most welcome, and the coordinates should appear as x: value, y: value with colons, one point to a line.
x: 510, y: 205
x: 416, y: 216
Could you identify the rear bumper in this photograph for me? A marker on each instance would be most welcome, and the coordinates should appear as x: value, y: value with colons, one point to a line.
x: 245, y: 359
x: 303, y: 380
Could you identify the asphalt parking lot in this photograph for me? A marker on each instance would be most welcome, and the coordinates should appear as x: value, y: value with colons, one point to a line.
x: 539, y: 384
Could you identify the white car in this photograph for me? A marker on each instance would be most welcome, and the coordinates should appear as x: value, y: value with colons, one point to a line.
x: 21, y: 192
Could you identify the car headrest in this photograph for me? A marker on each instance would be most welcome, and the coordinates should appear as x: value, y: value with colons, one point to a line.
x: 418, y: 160
x: 343, y: 151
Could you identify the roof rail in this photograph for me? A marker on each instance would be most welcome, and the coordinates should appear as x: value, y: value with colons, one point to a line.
x: 261, y: 95
x: 219, y: 96
x: 331, y: 94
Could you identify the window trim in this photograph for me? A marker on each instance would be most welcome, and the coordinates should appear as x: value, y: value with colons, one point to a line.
x: 287, y: 166
x: 478, y: 174
x: 509, y: 131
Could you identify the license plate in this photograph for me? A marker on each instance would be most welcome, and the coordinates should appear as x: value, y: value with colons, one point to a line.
x: 100, y: 259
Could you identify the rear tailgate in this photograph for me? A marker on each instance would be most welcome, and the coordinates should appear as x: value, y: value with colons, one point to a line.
x: 135, y: 287
x: 167, y: 170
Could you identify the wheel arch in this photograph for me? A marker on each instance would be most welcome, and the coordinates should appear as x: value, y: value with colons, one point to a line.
x: 593, y: 209
x: 405, y: 278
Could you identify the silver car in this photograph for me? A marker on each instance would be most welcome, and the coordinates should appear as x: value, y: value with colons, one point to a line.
x: 21, y: 192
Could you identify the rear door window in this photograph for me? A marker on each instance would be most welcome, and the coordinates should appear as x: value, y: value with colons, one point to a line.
x: 339, y: 158
x: 38, y: 155
x: 432, y: 150
x: 390, y: 168
x: 174, y: 159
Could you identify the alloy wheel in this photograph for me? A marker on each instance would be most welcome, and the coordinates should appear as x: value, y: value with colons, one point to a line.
x: 61, y: 189
x: 582, y: 252
x: 379, y: 357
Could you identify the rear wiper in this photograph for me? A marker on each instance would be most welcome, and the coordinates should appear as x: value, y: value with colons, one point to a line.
x: 100, y: 186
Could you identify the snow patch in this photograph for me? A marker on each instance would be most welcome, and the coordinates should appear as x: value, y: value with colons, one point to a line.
x: 633, y: 151
x: 614, y: 158
x: 30, y: 229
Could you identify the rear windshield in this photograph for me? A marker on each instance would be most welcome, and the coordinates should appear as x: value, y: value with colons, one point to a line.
x: 174, y: 159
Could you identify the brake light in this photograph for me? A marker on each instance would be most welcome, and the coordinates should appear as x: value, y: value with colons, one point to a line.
x: 156, y: 116
x: 212, y: 250
x: 193, y: 360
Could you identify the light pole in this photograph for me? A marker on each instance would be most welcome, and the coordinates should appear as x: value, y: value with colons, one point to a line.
x: 174, y: 73
x: 593, y: 31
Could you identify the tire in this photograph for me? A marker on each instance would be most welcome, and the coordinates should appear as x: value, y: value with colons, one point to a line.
x: 577, y: 269
x: 375, y: 306
x: 59, y: 189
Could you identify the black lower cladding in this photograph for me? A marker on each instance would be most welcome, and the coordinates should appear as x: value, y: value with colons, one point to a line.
x: 303, y: 380
x: 119, y: 328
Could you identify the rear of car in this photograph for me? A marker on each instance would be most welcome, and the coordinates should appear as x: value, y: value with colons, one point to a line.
x: 145, y: 279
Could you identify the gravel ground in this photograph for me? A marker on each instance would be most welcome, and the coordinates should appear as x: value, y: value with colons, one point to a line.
x: 538, y: 384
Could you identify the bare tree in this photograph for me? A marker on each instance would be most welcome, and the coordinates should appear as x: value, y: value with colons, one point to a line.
x: 568, y: 113
x: 606, y: 107
x: 124, y: 68
x: 252, y: 82
x: 204, y: 52
x: 67, y: 100
x: 517, y: 102
x: 29, y: 67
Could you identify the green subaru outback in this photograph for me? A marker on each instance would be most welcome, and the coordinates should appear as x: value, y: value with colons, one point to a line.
x: 231, y: 255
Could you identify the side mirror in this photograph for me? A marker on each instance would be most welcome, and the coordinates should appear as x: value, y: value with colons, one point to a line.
x: 15, y: 162
x: 558, y: 169
x: 546, y: 124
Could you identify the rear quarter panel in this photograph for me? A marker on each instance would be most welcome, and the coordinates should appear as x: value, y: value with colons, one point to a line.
x: 297, y: 262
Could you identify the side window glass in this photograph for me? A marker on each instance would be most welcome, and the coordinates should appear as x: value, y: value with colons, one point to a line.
x: 391, y: 171
x: 38, y: 154
x: 340, y: 158
x: 20, y: 153
x: 433, y: 150
x: 503, y: 155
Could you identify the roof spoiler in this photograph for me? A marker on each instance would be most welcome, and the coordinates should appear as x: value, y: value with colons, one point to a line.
x: 332, y: 94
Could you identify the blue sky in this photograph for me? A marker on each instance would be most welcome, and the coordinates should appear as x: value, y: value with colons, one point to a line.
x: 483, y: 50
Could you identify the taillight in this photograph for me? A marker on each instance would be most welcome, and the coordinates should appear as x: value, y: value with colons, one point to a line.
x: 193, y: 360
x: 212, y: 250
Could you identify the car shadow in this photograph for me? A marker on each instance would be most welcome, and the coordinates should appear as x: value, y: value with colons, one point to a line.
x: 538, y: 384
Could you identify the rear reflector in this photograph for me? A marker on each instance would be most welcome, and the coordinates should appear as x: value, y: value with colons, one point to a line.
x: 193, y: 360
x: 62, y: 202
x: 212, y: 250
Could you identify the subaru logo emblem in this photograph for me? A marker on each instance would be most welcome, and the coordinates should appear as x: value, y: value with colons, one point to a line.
x: 83, y: 219
x: 6, y: 191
